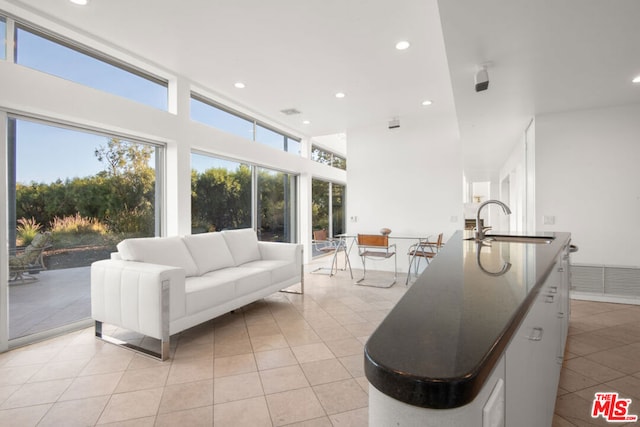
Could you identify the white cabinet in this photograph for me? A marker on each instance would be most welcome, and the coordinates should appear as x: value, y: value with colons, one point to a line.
x: 534, y: 356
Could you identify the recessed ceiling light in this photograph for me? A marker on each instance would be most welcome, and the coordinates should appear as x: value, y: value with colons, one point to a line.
x: 636, y: 79
x: 403, y: 45
x: 80, y: 2
x: 340, y: 95
x: 239, y: 85
x: 306, y: 122
x: 427, y: 102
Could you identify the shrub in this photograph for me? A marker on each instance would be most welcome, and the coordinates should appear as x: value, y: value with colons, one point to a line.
x: 77, y: 224
x: 27, y: 230
x: 138, y: 221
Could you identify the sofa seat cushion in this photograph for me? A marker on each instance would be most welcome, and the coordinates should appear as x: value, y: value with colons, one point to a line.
x: 206, y: 292
x: 221, y: 286
x: 170, y: 251
x: 243, y: 245
x: 280, y: 270
x: 246, y: 280
x: 209, y: 251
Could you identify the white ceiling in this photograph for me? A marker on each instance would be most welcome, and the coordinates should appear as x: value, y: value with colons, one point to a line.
x: 546, y: 56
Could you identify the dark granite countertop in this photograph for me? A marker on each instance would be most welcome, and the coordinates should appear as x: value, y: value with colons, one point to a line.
x: 440, y: 342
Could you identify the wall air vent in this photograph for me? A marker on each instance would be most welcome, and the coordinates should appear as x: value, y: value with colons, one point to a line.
x: 606, y: 281
x: 290, y: 111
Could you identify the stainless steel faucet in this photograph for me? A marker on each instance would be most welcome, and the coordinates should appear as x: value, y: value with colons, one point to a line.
x: 479, y: 228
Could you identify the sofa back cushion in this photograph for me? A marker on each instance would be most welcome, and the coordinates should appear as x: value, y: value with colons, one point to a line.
x: 243, y: 244
x: 209, y: 251
x: 159, y: 250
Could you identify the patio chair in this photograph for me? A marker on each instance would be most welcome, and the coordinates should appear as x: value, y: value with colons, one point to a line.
x: 375, y: 246
x: 30, y: 260
x: 326, y: 245
x: 423, y: 249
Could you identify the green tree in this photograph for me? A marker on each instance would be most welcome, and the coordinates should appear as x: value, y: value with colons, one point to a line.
x: 320, y: 204
x: 221, y: 199
x: 131, y: 183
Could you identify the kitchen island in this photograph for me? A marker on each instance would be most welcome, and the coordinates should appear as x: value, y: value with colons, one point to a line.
x: 478, y: 339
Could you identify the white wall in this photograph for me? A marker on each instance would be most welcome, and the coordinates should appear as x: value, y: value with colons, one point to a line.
x: 407, y: 179
x: 514, y: 171
x: 587, y: 177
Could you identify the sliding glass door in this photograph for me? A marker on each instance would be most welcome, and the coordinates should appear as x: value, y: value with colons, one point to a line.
x: 328, y: 207
x: 277, y: 201
x: 73, y: 195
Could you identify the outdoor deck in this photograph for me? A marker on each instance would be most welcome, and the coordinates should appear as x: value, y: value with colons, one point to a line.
x: 57, y: 298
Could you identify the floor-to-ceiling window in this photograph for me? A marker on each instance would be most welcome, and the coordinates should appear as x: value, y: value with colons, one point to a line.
x: 85, y: 191
x: 220, y: 194
x: 277, y: 202
x: 320, y: 204
x: 338, y: 208
x: 328, y: 198
x: 227, y: 194
x: 328, y: 207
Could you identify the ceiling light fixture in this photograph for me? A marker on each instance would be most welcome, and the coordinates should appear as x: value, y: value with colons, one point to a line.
x: 636, y: 79
x: 306, y: 122
x: 80, y: 2
x: 403, y: 45
x: 239, y: 85
x: 427, y: 102
x: 340, y: 95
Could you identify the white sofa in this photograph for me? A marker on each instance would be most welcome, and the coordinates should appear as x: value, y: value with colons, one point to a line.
x: 161, y: 286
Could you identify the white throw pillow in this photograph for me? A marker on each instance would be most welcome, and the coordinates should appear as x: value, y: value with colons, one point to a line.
x: 243, y: 245
x: 159, y: 250
x: 209, y: 251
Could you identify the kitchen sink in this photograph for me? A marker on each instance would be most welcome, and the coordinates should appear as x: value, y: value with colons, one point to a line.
x: 540, y: 240
x: 544, y: 240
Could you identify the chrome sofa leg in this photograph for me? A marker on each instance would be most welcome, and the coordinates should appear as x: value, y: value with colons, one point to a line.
x: 164, y: 341
x: 162, y: 355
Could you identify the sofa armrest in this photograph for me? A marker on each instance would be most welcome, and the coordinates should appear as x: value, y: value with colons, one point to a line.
x: 278, y: 250
x: 129, y: 294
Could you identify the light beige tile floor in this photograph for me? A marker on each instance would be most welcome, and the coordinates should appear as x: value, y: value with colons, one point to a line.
x: 602, y: 355
x: 284, y: 360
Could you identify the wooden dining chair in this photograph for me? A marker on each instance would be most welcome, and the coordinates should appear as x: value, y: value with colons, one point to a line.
x: 375, y: 246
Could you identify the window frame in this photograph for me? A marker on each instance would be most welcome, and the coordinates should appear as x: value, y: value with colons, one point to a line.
x: 256, y: 123
x: 5, y: 53
x: 332, y: 157
x: 88, y: 51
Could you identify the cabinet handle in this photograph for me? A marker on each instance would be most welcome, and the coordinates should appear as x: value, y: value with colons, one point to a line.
x: 553, y: 289
x: 549, y: 299
x: 536, y: 334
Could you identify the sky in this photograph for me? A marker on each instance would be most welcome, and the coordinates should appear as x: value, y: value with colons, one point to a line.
x: 46, y: 153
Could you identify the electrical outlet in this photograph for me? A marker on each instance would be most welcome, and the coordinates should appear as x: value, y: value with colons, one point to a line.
x: 354, y: 219
x: 453, y: 218
x: 548, y: 219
